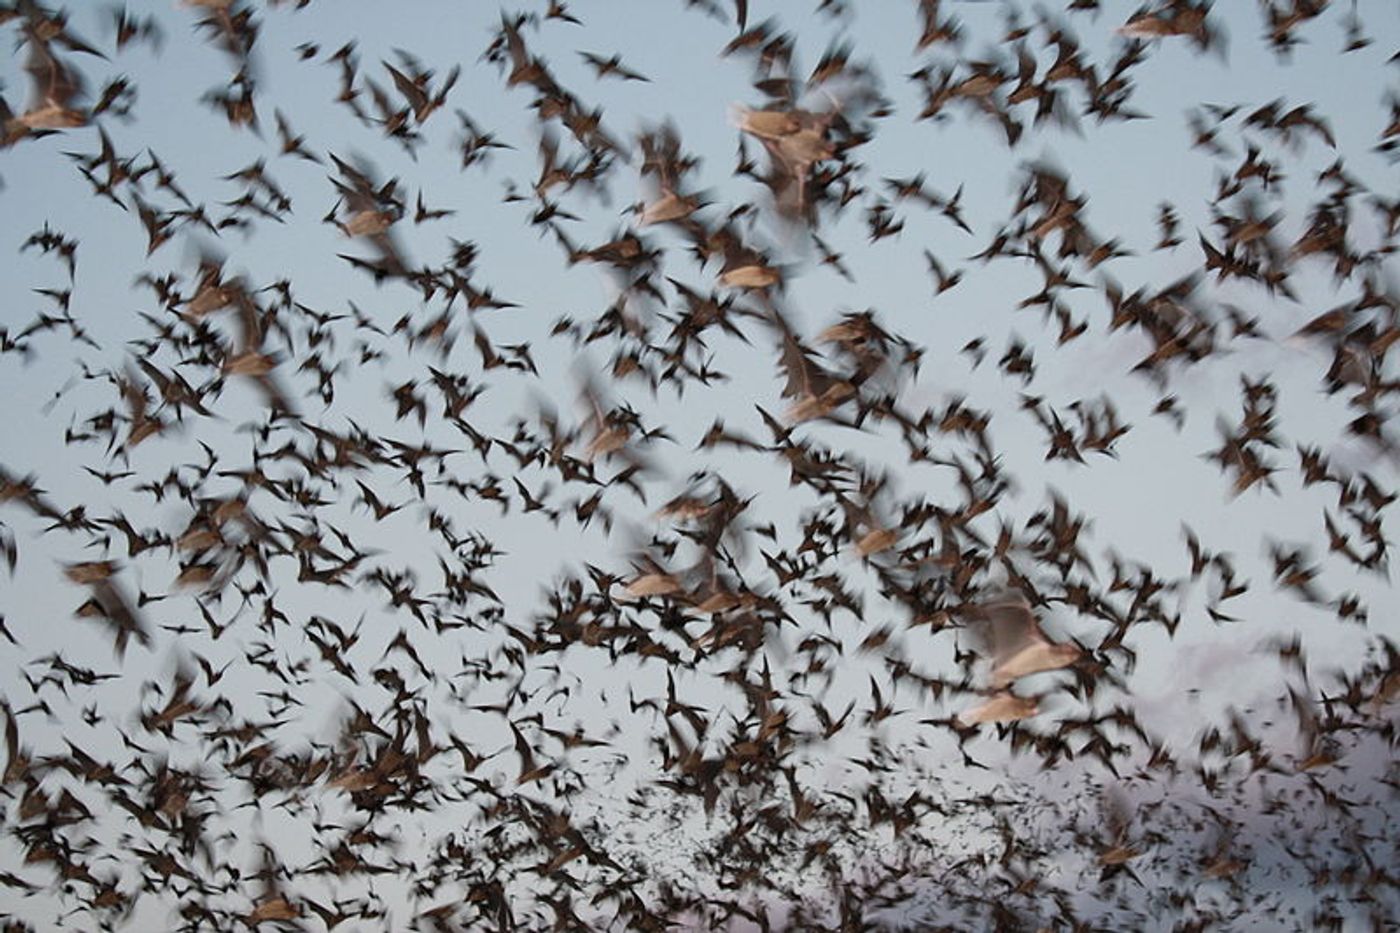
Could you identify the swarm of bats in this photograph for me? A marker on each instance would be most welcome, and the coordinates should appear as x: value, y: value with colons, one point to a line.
x: 818, y: 621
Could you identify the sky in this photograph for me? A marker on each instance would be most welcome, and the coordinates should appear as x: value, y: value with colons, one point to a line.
x: 1212, y: 691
